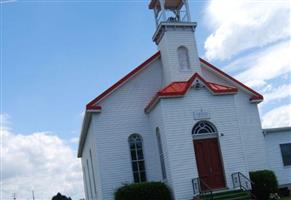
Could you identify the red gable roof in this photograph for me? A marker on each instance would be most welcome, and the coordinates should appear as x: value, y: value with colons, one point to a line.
x: 217, y: 88
x: 177, y: 89
x: 180, y: 88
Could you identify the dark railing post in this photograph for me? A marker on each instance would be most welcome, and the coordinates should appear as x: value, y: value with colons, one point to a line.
x: 232, y: 181
x: 242, y: 178
x: 239, y: 180
x: 197, y: 184
x: 193, y: 186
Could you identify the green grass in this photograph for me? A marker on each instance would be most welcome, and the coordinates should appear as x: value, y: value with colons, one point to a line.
x: 286, y: 198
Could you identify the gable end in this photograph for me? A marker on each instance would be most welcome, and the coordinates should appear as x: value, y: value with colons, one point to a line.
x: 94, y: 102
x: 255, y: 98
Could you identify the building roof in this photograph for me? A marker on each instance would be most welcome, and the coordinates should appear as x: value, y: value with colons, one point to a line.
x: 93, y: 107
x: 178, y: 89
x: 276, y: 130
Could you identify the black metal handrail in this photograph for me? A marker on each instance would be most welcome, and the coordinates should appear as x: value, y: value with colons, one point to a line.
x: 197, y: 189
x: 243, y: 182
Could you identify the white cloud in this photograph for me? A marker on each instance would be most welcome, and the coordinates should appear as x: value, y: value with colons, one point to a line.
x: 281, y: 92
x: 74, y: 140
x: 41, y: 162
x: 257, y: 69
x: 278, y: 117
x: 7, y: 1
x: 243, y: 24
x: 4, y: 121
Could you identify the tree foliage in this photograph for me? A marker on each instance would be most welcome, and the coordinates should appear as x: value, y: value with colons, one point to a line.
x: 59, y: 196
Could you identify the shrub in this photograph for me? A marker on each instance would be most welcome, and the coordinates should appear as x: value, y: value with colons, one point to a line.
x: 143, y: 191
x: 265, y: 183
x: 284, y: 192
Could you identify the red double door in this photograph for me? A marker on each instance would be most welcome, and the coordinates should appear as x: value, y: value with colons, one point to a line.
x: 209, y: 163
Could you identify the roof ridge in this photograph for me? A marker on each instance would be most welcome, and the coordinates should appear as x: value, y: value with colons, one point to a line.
x: 174, y: 91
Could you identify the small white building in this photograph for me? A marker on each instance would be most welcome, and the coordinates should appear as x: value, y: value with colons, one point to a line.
x: 278, y: 151
x: 175, y: 118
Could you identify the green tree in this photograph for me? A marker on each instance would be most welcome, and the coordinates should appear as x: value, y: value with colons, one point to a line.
x: 59, y: 196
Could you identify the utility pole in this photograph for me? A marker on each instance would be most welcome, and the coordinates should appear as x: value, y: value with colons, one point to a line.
x: 14, y: 196
x: 32, y: 195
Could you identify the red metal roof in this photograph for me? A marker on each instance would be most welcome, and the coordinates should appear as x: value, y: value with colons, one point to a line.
x: 177, y: 89
x: 93, y: 107
x: 217, y: 88
x: 256, y: 98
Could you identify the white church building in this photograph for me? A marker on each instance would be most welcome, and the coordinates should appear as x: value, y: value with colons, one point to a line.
x: 178, y: 119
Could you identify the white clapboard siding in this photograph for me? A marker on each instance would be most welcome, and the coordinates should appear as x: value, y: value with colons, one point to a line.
x: 178, y: 119
x: 237, y: 120
x: 122, y: 115
x: 273, y: 151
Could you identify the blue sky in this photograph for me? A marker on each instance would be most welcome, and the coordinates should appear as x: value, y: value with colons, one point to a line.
x: 58, y: 55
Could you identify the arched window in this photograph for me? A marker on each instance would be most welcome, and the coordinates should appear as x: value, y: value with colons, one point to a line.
x: 183, y: 58
x: 161, y: 153
x: 204, y: 129
x: 137, y: 158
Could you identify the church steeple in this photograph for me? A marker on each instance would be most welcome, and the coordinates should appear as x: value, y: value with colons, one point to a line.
x: 174, y: 36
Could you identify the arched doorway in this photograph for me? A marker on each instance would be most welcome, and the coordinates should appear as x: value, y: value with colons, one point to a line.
x: 208, y: 157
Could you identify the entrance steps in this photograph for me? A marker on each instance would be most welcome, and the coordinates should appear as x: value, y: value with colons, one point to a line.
x: 228, y: 195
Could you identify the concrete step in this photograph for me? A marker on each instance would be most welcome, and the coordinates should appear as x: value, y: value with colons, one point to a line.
x: 228, y: 195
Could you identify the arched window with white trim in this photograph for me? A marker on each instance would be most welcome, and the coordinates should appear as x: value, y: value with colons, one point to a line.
x: 137, y: 158
x: 204, y: 129
x: 183, y: 58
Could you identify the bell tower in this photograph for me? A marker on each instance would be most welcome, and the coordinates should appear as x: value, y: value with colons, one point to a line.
x: 175, y: 39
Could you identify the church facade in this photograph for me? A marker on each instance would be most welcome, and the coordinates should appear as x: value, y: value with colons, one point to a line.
x: 175, y: 118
